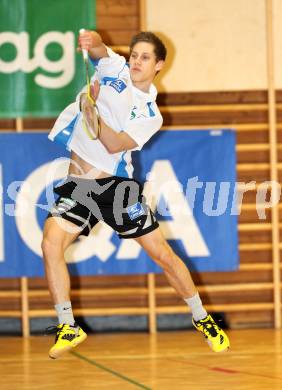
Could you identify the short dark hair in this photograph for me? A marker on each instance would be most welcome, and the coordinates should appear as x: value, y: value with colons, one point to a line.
x: 147, y: 36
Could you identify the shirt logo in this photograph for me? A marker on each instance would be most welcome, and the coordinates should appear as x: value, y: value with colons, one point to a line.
x: 133, y: 114
x: 146, y: 112
x: 118, y: 85
x: 135, y: 211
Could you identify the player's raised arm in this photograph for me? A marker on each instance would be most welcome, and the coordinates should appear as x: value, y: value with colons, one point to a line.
x: 93, y: 43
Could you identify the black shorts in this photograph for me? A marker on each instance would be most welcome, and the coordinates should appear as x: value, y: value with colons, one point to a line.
x: 115, y: 200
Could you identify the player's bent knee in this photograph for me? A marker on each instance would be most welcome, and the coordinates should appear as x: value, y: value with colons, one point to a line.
x: 50, y: 247
x: 166, y: 257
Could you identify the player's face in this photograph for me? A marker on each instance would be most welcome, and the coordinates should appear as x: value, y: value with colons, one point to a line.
x: 143, y: 64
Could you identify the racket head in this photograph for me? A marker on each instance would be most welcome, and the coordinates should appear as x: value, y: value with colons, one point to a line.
x: 90, y: 116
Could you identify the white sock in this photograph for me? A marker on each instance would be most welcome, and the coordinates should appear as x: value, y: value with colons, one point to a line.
x: 64, y: 313
x: 196, y: 306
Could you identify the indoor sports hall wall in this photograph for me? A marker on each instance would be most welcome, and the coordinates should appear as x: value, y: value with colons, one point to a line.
x: 212, y: 83
x: 216, y: 45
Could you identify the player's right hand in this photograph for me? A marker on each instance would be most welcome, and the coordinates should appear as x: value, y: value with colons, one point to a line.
x: 88, y: 40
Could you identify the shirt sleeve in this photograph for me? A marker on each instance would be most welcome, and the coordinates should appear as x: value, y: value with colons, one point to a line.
x: 142, y: 129
x: 109, y: 67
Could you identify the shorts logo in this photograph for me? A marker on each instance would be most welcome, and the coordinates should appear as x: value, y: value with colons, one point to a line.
x: 68, y: 202
x: 135, y: 211
x: 118, y: 85
x: 64, y: 205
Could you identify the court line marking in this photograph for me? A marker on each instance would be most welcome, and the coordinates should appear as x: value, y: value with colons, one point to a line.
x: 164, y: 355
x: 225, y: 370
x: 109, y: 370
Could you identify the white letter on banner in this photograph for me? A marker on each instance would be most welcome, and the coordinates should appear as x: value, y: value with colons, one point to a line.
x: 29, y: 228
x: 65, y: 64
x: 183, y: 226
x: 222, y: 200
x: 1, y: 218
x: 12, y: 191
x: 239, y: 190
x: 21, y: 61
x: 191, y: 190
x: 261, y: 203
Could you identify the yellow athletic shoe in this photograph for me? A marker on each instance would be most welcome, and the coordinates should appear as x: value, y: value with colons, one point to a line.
x: 215, y: 336
x: 67, y: 337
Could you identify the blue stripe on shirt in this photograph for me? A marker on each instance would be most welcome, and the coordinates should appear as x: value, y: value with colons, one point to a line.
x: 121, y: 168
x: 65, y: 135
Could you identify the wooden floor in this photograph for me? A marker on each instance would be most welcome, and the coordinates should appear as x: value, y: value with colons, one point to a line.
x: 167, y: 361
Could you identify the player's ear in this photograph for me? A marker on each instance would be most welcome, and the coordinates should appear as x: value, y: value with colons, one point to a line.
x: 159, y: 65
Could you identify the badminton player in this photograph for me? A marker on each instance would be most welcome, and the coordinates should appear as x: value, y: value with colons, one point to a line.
x: 100, y: 184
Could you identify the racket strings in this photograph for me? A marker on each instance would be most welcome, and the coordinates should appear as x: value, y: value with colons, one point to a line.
x: 90, y: 117
x: 90, y: 113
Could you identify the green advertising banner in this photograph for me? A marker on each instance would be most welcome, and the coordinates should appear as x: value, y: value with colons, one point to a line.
x: 40, y: 69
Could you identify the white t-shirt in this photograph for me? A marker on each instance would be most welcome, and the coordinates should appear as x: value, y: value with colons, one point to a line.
x: 122, y: 106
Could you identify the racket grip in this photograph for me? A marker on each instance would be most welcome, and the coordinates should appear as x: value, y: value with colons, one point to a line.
x: 84, y: 51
